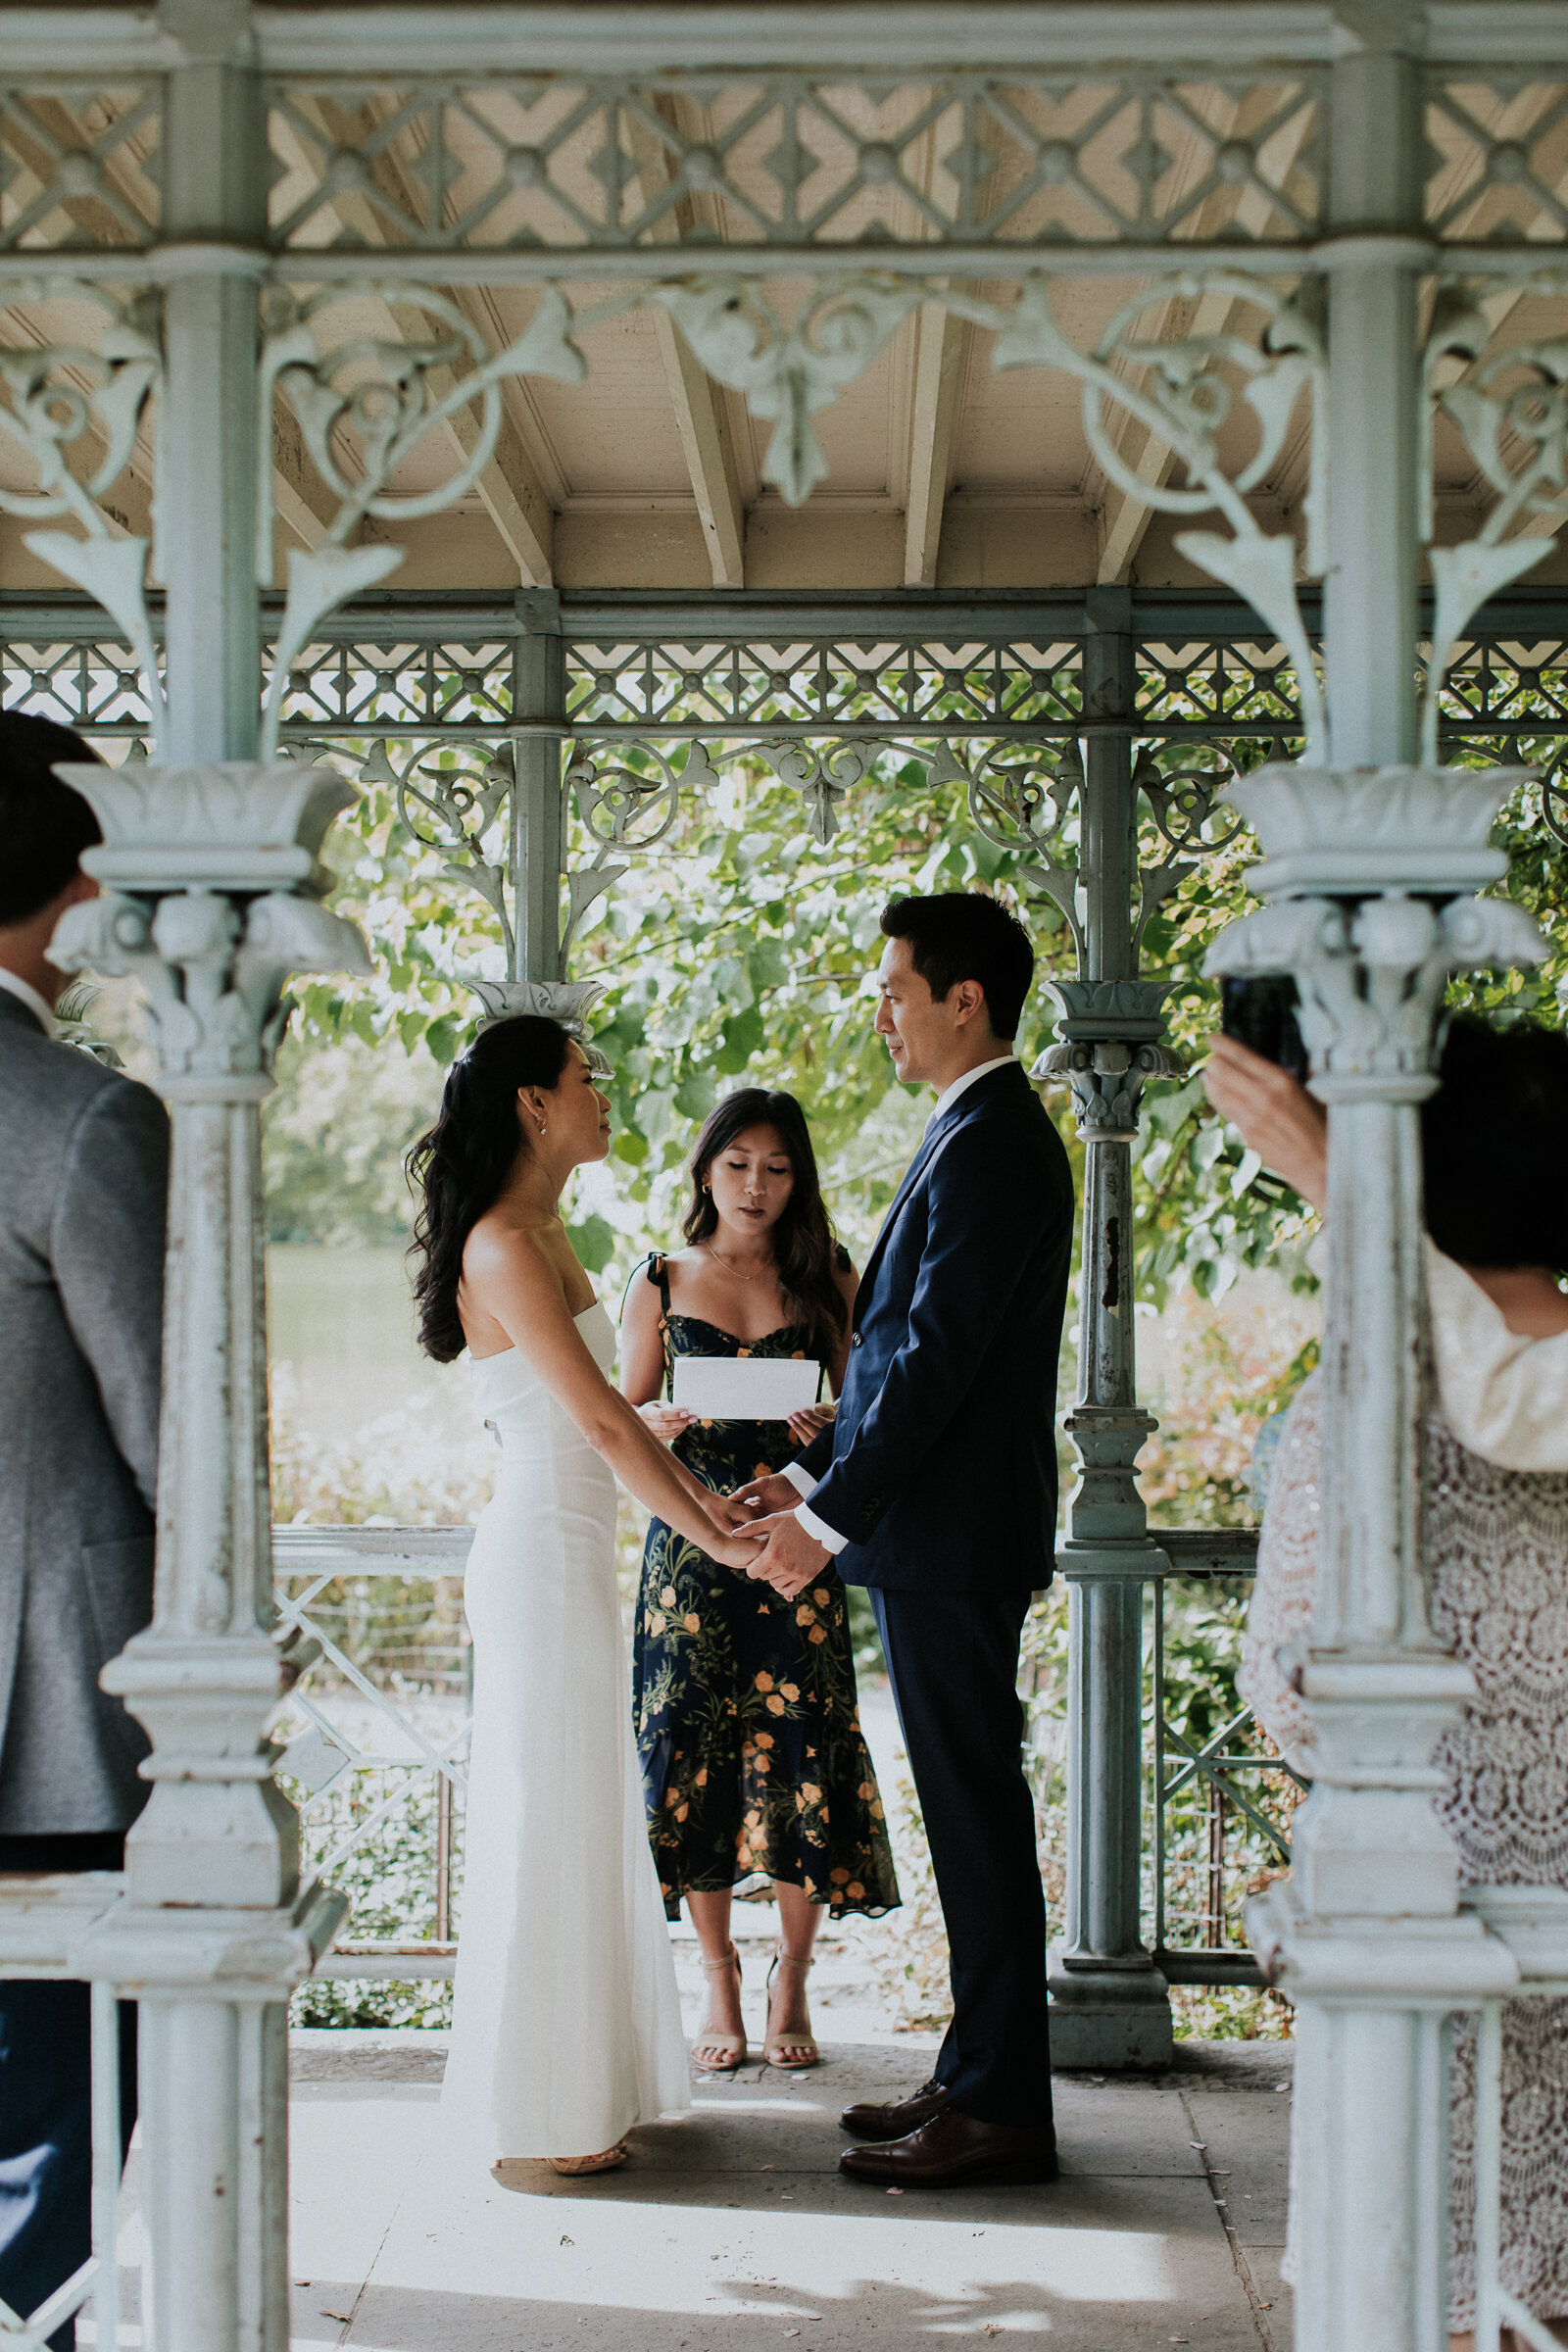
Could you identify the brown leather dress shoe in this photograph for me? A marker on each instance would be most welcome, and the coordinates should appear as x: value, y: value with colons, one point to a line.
x: 956, y: 2151
x: 899, y: 2116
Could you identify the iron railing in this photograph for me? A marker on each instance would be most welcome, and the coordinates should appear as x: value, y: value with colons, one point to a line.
x: 1183, y: 1763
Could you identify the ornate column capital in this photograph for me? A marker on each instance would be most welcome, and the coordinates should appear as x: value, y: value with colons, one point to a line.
x: 1370, y: 875
x: 1112, y: 1034
x: 213, y: 880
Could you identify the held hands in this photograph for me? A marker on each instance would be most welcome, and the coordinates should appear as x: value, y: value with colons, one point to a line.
x: 734, y: 1550
x: 1278, y: 1119
x: 765, y: 1494
x: 790, y: 1558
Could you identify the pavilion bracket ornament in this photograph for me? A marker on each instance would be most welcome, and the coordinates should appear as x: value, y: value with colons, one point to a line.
x: 1512, y: 410
x: 824, y: 775
x: 790, y: 368
x: 1175, y: 388
x: 625, y: 811
x: 386, y: 398
x: 1185, y: 804
x: 1021, y: 799
x: 456, y: 811
x: 64, y: 399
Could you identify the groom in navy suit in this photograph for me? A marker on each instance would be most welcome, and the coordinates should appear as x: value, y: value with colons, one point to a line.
x: 935, y: 1486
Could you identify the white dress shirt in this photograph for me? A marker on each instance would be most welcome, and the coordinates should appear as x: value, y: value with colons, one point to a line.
x: 27, y: 995
x: 802, y: 1480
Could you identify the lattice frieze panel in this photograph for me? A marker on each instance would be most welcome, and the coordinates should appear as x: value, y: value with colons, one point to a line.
x: 78, y: 166
x: 1236, y: 687
x: 833, y: 682
x: 97, y: 689
x: 1497, y: 158
x: 356, y: 688
x: 791, y: 159
x: 1511, y: 687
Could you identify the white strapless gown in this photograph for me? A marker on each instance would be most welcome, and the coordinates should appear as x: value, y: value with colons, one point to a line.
x: 567, y: 2026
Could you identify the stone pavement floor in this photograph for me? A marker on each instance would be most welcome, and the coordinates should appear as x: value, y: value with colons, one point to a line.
x: 731, y: 2228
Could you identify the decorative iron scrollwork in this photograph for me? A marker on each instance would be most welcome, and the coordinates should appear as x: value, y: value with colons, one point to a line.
x: 454, y: 811
x: 1022, y: 798
x: 60, y: 397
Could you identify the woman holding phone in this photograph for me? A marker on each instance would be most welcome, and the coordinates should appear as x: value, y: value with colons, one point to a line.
x: 754, y: 1762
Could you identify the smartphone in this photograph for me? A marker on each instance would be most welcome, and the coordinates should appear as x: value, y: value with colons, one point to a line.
x: 1262, y: 1013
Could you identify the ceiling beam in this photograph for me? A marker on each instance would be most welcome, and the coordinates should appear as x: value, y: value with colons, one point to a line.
x: 942, y: 348
x: 700, y: 414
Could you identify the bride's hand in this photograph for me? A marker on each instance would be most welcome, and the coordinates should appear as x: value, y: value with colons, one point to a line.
x: 735, y: 1550
x: 728, y: 1511
x: 804, y: 1427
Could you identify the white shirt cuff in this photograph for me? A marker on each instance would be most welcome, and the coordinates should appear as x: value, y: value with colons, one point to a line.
x: 800, y: 1480
x: 819, y: 1531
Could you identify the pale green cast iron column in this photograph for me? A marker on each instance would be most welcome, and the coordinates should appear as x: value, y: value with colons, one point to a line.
x: 1109, y: 2006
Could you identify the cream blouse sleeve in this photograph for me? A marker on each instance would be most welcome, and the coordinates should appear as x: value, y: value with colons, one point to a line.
x: 1504, y: 1396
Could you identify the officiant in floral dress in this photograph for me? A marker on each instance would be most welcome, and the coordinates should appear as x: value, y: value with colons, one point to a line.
x: 754, y: 1761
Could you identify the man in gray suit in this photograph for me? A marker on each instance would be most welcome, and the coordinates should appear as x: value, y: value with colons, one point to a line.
x: 83, y: 1172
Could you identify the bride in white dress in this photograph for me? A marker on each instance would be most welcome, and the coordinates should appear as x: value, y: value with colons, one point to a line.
x: 566, y: 2028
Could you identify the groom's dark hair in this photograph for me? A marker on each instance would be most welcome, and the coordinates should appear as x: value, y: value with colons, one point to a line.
x: 44, y: 825
x: 964, y: 935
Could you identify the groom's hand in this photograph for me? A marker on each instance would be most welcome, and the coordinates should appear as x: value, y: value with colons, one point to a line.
x: 790, y: 1558
x: 766, y: 1494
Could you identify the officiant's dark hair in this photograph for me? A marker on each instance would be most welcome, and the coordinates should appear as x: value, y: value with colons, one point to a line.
x: 964, y: 935
x: 459, y: 1168
x: 44, y: 824
x: 805, y: 1251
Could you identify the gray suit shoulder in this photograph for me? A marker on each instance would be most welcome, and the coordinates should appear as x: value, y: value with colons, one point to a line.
x: 60, y: 1083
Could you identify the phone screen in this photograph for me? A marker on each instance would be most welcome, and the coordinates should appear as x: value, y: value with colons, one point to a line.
x: 1262, y: 1013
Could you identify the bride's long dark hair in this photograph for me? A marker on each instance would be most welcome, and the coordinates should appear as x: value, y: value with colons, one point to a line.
x: 804, y: 1247
x: 460, y: 1167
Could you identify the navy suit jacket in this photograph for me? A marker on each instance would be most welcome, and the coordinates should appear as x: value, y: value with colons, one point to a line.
x: 941, y: 1466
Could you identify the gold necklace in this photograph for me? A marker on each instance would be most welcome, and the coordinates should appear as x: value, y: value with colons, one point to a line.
x: 735, y: 1270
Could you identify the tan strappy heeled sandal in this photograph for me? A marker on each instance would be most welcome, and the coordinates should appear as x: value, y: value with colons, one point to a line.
x: 776, y: 2042
x: 733, y: 2046
x: 608, y: 2160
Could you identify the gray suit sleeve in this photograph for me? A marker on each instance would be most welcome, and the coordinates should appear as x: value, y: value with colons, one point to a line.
x: 107, y: 1250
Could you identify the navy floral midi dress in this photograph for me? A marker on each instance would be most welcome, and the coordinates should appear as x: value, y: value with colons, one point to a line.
x: 754, y: 1761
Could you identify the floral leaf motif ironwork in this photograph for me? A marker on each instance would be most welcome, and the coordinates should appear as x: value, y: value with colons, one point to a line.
x: 624, y: 810
x: 1184, y: 802
x: 1517, y: 432
x: 823, y: 775
x: 387, y: 397
x: 1184, y: 400
x: 1554, y: 799
x: 1020, y: 798
x: 454, y: 809
x: 60, y: 396
x: 789, y: 369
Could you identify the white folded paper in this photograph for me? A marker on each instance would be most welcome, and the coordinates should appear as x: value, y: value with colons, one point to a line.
x: 745, y: 1388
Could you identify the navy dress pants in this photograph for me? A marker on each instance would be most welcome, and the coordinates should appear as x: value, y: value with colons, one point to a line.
x: 46, y: 2104
x: 952, y: 1660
